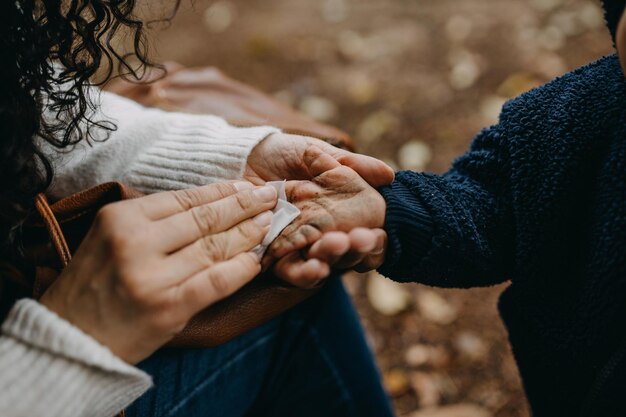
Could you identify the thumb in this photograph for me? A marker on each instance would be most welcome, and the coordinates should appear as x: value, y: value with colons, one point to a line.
x: 374, y: 171
x: 317, y: 161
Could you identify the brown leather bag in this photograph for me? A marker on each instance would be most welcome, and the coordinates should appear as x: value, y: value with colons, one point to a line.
x: 53, y: 234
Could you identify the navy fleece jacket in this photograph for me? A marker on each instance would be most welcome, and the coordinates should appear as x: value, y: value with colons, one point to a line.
x: 540, y: 200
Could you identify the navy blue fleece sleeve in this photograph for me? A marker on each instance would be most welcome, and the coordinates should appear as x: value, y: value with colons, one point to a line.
x: 452, y: 230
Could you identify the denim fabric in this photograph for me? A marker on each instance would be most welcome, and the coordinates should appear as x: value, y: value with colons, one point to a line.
x: 311, y: 361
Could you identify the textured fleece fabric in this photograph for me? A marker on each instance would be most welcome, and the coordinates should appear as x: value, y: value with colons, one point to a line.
x: 540, y: 200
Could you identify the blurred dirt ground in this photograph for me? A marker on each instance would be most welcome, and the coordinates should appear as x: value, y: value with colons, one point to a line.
x: 412, y: 81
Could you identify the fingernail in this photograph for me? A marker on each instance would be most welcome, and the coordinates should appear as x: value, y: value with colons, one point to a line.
x: 242, y: 185
x: 267, y: 194
x: 264, y: 219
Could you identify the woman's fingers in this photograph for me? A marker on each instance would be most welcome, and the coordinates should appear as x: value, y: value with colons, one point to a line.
x: 212, y: 249
x: 303, y: 273
x: 185, y: 228
x: 160, y: 205
x: 218, y: 282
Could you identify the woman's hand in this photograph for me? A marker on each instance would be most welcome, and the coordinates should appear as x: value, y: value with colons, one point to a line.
x: 340, y: 226
x: 148, y: 265
x: 281, y: 156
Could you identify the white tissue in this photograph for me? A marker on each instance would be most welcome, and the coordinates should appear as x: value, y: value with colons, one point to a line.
x: 284, y: 214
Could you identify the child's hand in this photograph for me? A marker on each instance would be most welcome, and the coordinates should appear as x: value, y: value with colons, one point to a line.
x: 336, y: 200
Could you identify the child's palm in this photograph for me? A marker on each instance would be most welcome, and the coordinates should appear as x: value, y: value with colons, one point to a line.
x: 336, y: 200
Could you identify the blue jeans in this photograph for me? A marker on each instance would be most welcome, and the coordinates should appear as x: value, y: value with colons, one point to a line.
x: 311, y: 361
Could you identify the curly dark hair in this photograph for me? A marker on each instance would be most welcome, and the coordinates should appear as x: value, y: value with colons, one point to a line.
x: 43, y: 44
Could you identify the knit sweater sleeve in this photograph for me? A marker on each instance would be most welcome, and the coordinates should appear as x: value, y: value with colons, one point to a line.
x: 51, y: 368
x: 152, y: 150
x: 452, y: 230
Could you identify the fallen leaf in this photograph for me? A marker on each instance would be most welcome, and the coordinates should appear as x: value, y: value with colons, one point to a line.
x: 386, y: 296
x: 471, y: 347
x: 435, y: 308
x: 426, y: 388
x: 418, y: 355
x: 319, y: 108
x: 219, y: 16
x: 517, y: 83
x: 465, y: 69
x: 491, y: 107
x: 376, y: 125
x: 458, y: 28
x: 545, y: 5
x: 361, y: 88
x: 415, y: 156
x: 396, y: 382
x: 334, y: 11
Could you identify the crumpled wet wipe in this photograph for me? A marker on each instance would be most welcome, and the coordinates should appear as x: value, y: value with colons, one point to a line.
x: 284, y: 214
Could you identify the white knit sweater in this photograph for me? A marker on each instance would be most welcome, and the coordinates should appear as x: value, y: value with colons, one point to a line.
x: 49, y: 367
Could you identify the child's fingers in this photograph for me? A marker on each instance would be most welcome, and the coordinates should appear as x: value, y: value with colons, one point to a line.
x: 300, y: 272
x: 330, y: 248
x: 295, y: 237
x: 361, y: 249
x: 376, y: 257
x: 362, y: 243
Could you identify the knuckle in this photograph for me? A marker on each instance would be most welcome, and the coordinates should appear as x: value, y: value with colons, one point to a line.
x: 224, y: 189
x: 250, y: 263
x: 206, y: 218
x: 187, y: 198
x: 219, y: 283
x: 251, y: 232
x: 245, y: 201
x: 302, y: 190
x: 311, y: 232
x: 337, y: 176
x: 107, y: 217
x: 130, y: 284
x: 119, y: 228
x: 116, y: 240
x: 212, y: 250
x: 120, y: 243
x: 344, y: 171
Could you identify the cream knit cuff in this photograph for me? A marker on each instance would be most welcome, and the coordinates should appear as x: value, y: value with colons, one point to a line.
x: 52, y: 368
x: 194, y: 150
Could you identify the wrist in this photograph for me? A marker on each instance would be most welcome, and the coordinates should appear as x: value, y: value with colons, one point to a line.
x: 380, y: 208
x: 256, y: 170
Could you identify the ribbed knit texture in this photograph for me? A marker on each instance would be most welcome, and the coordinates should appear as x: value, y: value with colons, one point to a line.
x: 153, y: 150
x: 408, y: 225
x: 51, y: 368
x: 539, y: 199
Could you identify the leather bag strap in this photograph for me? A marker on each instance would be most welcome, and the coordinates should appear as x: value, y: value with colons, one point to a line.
x: 54, y: 229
